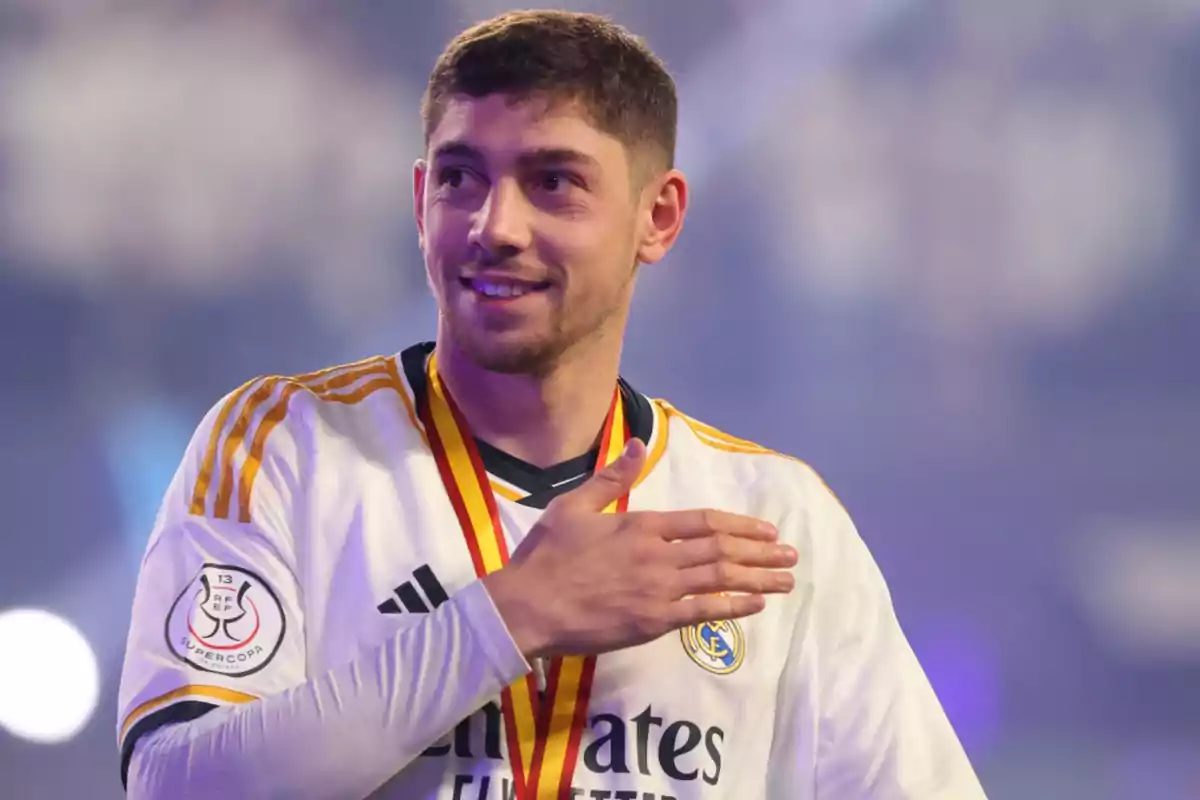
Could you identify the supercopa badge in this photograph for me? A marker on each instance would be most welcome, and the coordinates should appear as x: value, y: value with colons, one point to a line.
x: 719, y: 647
x: 227, y: 620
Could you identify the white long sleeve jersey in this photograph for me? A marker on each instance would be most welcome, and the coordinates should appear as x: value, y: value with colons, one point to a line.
x: 308, y: 623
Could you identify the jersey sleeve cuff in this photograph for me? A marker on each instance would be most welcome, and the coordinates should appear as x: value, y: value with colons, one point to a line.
x: 480, y: 614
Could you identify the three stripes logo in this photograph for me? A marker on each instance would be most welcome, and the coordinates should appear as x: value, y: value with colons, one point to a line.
x: 406, y: 596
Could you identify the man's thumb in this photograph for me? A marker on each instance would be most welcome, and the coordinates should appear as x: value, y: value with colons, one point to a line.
x: 613, y: 481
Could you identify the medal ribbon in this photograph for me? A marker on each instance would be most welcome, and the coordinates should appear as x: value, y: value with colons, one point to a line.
x: 543, y: 734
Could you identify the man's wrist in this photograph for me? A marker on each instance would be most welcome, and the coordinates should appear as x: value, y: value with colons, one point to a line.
x: 518, y: 606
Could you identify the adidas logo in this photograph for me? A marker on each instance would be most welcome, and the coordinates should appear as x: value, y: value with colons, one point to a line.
x: 407, y: 598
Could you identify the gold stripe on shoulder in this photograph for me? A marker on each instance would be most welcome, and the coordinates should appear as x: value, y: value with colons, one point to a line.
x: 730, y: 444
x: 718, y: 439
x: 258, y: 446
x: 338, y: 368
x: 209, y: 464
x: 359, y: 394
x: 219, y: 693
x: 261, y: 405
x: 234, y: 440
x: 409, y: 401
x: 721, y: 436
x: 326, y: 385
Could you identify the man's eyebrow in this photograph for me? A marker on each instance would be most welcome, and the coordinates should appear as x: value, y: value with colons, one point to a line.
x: 537, y: 157
x: 556, y: 156
x: 457, y: 149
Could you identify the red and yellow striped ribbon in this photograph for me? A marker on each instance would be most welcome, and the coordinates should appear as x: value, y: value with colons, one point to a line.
x: 543, y: 737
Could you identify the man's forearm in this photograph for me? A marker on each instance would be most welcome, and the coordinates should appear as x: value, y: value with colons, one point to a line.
x: 346, y: 732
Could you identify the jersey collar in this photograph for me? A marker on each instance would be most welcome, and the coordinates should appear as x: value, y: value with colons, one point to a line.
x: 517, y: 479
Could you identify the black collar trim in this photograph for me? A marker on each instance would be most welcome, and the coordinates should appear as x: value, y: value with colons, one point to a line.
x: 540, y: 485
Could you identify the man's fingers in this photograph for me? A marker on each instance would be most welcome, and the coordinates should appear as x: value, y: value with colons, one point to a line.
x: 609, y: 484
x: 725, y: 577
x: 709, y: 608
x: 732, y: 549
x: 700, y: 522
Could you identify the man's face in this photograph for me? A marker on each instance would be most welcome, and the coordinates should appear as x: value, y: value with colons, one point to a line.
x: 530, y: 227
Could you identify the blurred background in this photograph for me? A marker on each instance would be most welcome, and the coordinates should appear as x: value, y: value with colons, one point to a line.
x: 944, y: 250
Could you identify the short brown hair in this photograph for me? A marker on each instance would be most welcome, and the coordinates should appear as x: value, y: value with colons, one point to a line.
x: 624, y: 87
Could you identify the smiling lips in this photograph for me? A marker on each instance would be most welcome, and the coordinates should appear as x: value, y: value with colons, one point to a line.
x: 503, y: 288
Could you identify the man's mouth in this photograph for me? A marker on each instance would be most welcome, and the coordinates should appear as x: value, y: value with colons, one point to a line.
x: 503, y: 288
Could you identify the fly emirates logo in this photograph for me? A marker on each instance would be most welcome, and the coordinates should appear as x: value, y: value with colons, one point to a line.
x: 621, y: 750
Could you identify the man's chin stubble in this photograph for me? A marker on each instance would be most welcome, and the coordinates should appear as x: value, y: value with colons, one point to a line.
x: 535, y: 359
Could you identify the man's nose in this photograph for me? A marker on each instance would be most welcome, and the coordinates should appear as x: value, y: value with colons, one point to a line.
x: 502, y: 224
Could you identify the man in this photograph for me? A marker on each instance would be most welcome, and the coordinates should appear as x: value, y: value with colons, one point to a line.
x: 327, y: 607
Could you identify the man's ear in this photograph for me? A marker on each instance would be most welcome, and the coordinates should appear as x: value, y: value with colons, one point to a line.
x: 420, y: 171
x: 666, y: 198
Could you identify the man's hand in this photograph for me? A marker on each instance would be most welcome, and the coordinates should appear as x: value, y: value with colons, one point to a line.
x: 585, y: 582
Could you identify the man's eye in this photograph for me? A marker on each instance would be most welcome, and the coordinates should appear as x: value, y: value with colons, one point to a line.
x: 554, y: 181
x: 452, y: 177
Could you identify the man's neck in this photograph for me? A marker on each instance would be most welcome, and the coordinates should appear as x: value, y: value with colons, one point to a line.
x: 543, y: 420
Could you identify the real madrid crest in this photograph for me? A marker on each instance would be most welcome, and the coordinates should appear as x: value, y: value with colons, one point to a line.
x: 719, y: 647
